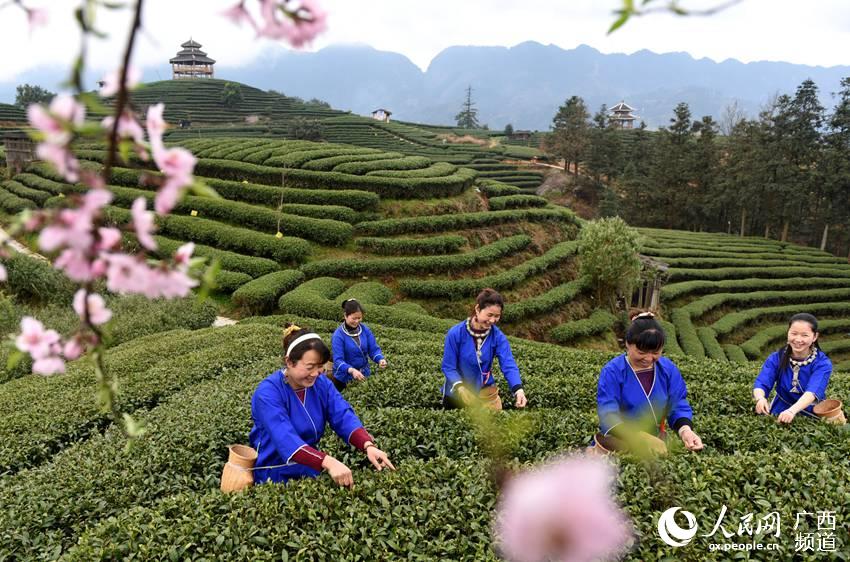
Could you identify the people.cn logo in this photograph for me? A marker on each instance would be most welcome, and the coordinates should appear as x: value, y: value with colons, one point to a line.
x: 671, y: 533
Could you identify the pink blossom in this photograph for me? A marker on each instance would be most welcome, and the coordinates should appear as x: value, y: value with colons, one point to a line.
x: 34, y: 339
x: 155, y: 124
x: 46, y: 124
x: 73, y: 227
x: 169, y: 284
x: 48, y: 365
x: 95, y: 306
x: 95, y: 199
x: 109, y: 237
x: 183, y: 255
x: 98, y: 268
x: 92, y: 179
x: 169, y: 194
x: 61, y: 158
x: 128, y: 127
x: 112, y: 81
x: 3, y: 273
x: 237, y: 14
x: 143, y: 223
x: 57, y: 122
x: 564, y: 511
x: 126, y: 274
x: 76, y: 265
x: 73, y: 349
x: 36, y: 17
x: 175, y: 162
x: 298, y: 28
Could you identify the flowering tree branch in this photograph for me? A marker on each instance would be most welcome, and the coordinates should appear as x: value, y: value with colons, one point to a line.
x: 629, y: 9
x: 87, y: 243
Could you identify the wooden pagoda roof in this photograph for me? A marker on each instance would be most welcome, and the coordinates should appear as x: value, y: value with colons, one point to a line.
x: 191, y: 54
x: 622, y: 106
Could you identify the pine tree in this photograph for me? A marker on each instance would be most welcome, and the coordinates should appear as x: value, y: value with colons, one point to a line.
x: 570, y: 135
x: 468, y: 116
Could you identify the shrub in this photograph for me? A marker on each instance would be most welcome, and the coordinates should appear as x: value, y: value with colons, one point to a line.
x: 13, y: 204
x: 608, y: 254
x: 698, y: 307
x: 422, y: 246
x: 229, y: 261
x: 734, y: 353
x: 736, y: 320
x: 35, y: 195
x: 196, y: 229
x: 721, y: 273
x: 363, y: 168
x: 599, y: 321
x: 676, y: 290
x: 329, y: 163
x: 436, y: 170
x: 688, y: 337
x: 267, y: 194
x: 492, y: 188
x: 516, y: 201
x: 708, y: 339
x: 547, y: 302
x: 399, y: 188
x: 35, y: 279
x: 229, y: 281
x: 322, y: 297
x: 459, y: 221
x: 354, y: 267
x: 461, y: 288
x: 261, y: 294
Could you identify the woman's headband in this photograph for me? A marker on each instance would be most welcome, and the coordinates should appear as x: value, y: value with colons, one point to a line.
x: 300, y: 339
x: 643, y: 315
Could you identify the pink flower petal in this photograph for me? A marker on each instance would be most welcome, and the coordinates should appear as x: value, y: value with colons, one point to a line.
x: 112, y: 81
x: 48, y: 366
x: 143, y: 223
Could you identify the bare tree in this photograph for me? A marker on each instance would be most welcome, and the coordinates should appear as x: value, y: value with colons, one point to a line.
x: 732, y: 114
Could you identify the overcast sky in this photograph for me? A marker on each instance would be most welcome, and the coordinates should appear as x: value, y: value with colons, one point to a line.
x: 813, y: 32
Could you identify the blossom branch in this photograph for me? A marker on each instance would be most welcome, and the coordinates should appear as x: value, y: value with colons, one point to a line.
x: 123, y: 95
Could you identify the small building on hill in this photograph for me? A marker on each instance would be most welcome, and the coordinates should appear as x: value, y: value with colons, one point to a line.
x: 191, y: 62
x: 520, y: 135
x: 382, y: 114
x: 622, y: 116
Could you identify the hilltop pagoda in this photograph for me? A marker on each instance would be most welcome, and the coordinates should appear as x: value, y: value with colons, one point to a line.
x: 191, y: 62
x: 621, y: 116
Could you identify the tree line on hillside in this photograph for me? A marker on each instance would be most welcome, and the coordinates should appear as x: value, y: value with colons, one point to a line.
x: 784, y: 174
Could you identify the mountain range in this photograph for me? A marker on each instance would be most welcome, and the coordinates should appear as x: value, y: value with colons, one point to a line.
x: 522, y: 85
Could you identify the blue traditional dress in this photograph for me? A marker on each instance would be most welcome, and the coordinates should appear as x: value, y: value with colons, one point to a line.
x: 354, y: 349
x: 464, y: 362
x: 621, y: 397
x: 285, y: 427
x: 810, y: 375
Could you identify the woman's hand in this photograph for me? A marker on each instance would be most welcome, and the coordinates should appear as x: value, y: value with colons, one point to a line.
x: 521, y: 400
x: 340, y: 473
x: 382, y: 363
x: 691, y: 440
x: 378, y: 458
x: 763, y: 406
x: 356, y: 374
x: 787, y: 416
x: 464, y: 395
